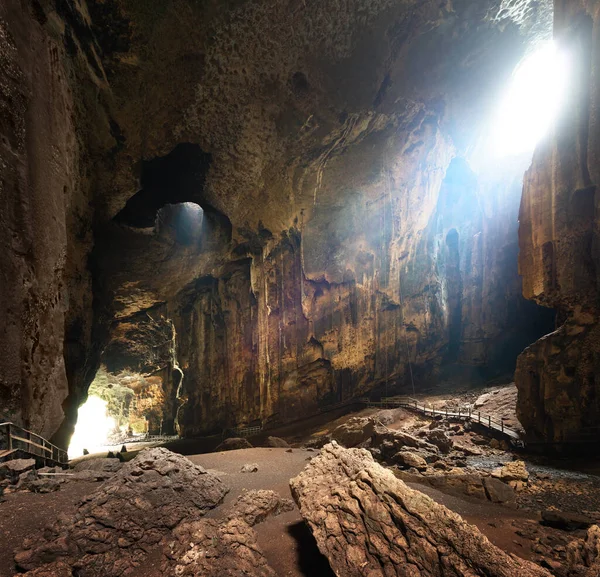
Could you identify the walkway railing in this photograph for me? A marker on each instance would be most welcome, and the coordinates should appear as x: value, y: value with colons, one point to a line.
x: 466, y: 414
x: 14, y: 438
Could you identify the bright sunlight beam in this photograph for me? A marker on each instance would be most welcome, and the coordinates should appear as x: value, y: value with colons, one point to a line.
x: 530, y: 106
x: 92, y: 429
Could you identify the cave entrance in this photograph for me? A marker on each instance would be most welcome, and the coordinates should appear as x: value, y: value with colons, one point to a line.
x: 532, y: 102
x: 94, y: 429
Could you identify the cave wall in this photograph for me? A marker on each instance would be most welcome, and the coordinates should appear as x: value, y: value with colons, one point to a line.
x: 45, y: 291
x: 267, y: 343
x: 557, y: 377
x: 319, y: 140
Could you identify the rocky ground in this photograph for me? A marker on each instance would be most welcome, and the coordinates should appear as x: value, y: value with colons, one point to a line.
x: 161, y: 513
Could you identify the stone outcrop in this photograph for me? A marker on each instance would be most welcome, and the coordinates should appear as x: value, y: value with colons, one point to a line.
x: 212, y: 548
x: 116, y: 527
x: 367, y: 522
x: 354, y: 431
x: 233, y: 444
x: 583, y: 555
x: 559, y: 392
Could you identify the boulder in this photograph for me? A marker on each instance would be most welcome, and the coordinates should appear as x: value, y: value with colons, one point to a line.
x: 498, y: 492
x: 255, y: 506
x: 479, y: 440
x: 227, y: 547
x: 214, y: 548
x: 233, y: 444
x: 369, y: 523
x: 276, y: 442
x: 354, y: 431
x: 317, y: 442
x: 566, y: 521
x: 249, y: 468
x: 408, y: 459
x: 514, y: 473
x: 389, y: 442
x: 583, y: 555
x: 12, y: 470
x: 113, y: 529
x: 439, y: 438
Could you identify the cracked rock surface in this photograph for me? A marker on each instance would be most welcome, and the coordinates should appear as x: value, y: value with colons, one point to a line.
x: 116, y: 527
x: 369, y: 523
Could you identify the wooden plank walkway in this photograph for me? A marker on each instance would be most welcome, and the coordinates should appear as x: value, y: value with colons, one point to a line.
x: 468, y: 414
x: 14, y: 438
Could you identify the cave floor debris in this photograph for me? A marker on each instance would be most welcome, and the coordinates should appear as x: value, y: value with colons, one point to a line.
x: 285, y: 539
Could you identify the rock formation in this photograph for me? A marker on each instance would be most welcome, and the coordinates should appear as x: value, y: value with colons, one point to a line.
x: 228, y: 547
x: 266, y: 207
x: 368, y: 522
x: 559, y: 391
x: 116, y: 527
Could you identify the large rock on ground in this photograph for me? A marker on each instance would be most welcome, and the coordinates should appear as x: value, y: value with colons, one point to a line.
x: 514, y: 473
x: 354, y: 431
x: 233, y: 444
x: 12, y: 470
x: 408, y: 459
x: 114, y: 528
x: 226, y: 547
x: 583, y: 555
x: 389, y: 442
x: 369, y: 523
x: 277, y: 443
x: 255, y: 506
x: 213, y: 548
x: 439, y: 438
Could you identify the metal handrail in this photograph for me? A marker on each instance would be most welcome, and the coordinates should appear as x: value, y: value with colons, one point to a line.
x: 468, y: 413
x: 35, y: 444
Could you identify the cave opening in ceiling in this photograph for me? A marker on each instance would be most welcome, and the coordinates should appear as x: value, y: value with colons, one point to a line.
x: 179, y: 177
x: 532, y: 102
x: 183, y: 221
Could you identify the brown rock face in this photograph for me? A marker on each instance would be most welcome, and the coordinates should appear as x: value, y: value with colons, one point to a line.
x: 369, y: 523
x: 116, y: 527
x: 276, y: 195
x: 45, y: 287
x: 559, y: 391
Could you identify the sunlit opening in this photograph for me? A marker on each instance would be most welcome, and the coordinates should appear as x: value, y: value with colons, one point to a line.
x: 530, y: 106
x: 93, y: 428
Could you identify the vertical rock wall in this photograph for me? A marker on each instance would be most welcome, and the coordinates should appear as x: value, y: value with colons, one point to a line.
x: 557, y: 377
x: 45, y: 291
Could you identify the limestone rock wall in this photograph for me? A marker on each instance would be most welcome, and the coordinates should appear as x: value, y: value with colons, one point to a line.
x: 284, y: 182
x: 46, y: 314
x: 557, y: 377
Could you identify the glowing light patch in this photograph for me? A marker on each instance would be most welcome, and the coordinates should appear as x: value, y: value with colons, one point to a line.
x: 93, y: 427
x: 536, y: 94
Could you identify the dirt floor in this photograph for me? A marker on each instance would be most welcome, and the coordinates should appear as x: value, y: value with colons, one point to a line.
x: 286, y: 541
x: 24, y: 514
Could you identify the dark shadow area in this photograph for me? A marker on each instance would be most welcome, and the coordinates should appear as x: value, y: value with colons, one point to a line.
x: 311, y: 561
x: 175, y: 178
